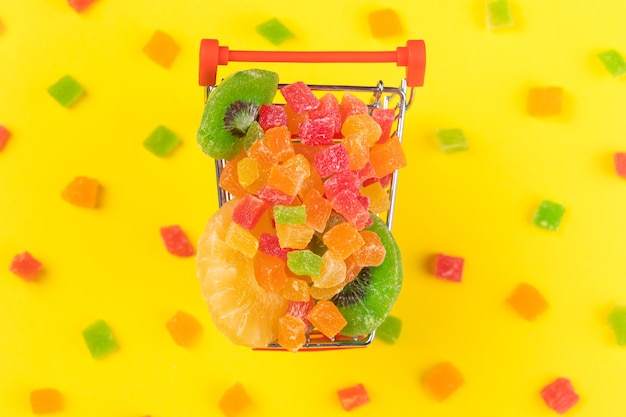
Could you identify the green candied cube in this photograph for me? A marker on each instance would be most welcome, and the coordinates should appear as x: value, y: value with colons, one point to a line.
x: 66, y: 91
x: 498, y: 14
x: 99, y: 339
x: 161, y: 141
x: 617, y: 320
x: 254, y: 133
x: 304, y: 262
x: 389, y: 330
x: 613, y: 62
x: 452, y: 140
x: 549, y: 215
x: 274, y: 31
x: 289, y: 214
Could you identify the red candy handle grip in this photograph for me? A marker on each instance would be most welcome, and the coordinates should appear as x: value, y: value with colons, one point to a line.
x: 412, y: 56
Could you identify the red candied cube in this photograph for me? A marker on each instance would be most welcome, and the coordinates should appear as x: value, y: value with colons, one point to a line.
x: 560, y: 395
x: 329, y: 107
x: 449, y: 267
x: 248, y: 211
x: 364, y: 200
x: 384, y: 118
x: 352, y: 397
x: 620, y: 164
x: 4, y: 136
x: 351, y: 105
x: 25, y: 266
x: 272, y: 115
x: 269, y: 245
x: 332, y: 160
x: 347, y: 204
x: 386, y: 180
x: 80, y: 5
x: 176, y: 241
x: 367, y: 174
x: 300, y: 309
x: 315, y: 132
x: 345, y: 180
x: 274, y: 196
x: 299, y: 97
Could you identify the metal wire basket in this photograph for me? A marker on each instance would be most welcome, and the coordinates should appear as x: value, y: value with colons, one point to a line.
x: 411, y: 56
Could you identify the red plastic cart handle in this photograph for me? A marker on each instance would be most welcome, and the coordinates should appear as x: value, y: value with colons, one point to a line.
x: 412, y: 56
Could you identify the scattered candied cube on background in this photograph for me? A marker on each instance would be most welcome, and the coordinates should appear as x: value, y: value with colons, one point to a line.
x: 620, y: 163
x: 385, y: 23
x: 161, y: 48
x: 353, y: 397
x: 613, y: 62
x: 234, y: 400
x: 274, y: 31
x: 451, y: 140
x: 560, y: 395
x: 161, y: 141
x: 449, y: 267
x: 527, y: 301
x: 443, y: 380
x: 5, y: 134
x: 389, y: 330
x: 46, y: 401
x: 25, y: 266
x: 184, y: 328
x: 498, y: 14
x: 66, y: 91
x: 99, y: 339
x: 176, y: 241
x: 80, y: 5
x: 82, y: 192
x: 549, y: 215
x: 544, y: 101
x: 617, y: 321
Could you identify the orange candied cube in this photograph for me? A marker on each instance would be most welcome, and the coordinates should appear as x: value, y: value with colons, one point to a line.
x: 46, y: 400
x: 333, y: 271
x: 294, y: 119
x: 352, y: 268
x: 385, y: 23
x: 234, y: 400
x: 327, y: 318
x: 362, y: 125
x: 294, y: 236
x: 373, y: 252
x: 161, y: 48
x: 241, y: 240
x: 544, y: 101
x: 358, y: 151
x: 291, y: 332
x: 262, y: 154
x: 443, y: 380
x: 527, y: 301
x: 387, y: 157
x: 82, y: 192
x: 344, y: 239
x: 314, y: 181
x: 229, y: 179
x: 289, y: 176
x: 317, y: 210
x: 270, y: 272
x: 296, y: 290
x: 379, y: 198
x: 278, y: 140
x: 184, y: 328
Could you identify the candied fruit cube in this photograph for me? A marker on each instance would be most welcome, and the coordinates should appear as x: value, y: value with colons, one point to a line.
x: 317, y: 210
x: 527, y: 301
x: 294, y: 236
x: 289, y: 214
x: 443, y: 380
x: 373, y: 252
x: 275, y: 196
x: 262, y: 154
x: 25, y: 266
x: 294, y: 120
x: 254, y: 133
x: 299, y: 97
x: 269, y: 272
x: 617, y: 320
x: 347, y: 204
x: 161, y: 141
x: 46, y: 401
x: 304, y: 262
x: 241, y: 240
x: 296, y: 290
x: 274, y: 31
x: 498, y: 14
x: 327, y: 318
x: 82, y: 192
x: 343, y: 239
x: 451, y: 140
x: 272, y: 115
x: 66, y: 91
x: 387, y: 157
x: 364, y: 125
x: 358, y: 152
x: 99, y: 339
x: 350, y: 105
x: 4, y: 136
x: 389, y: 330
x: 289, y: 177
x: 318, y: 131
x: 300, y: 309
x: 234, y: 401
x: 385, y: 23
x: 331, y: 160
x: 620, y: 163
x: 332, y: 272
x: 385, y: 119
x: 80, y: 5
x: 247, y: 172
x: 229, y: 179
x: 278, y: 140
x: 329, y: 107
x: 544, y: 101
x: 559, y: 395
x: 549, y: 215
x: 449, y: 267
x: 378, y: 196
x: 291, y: 332
x: 353, y: 397
x: 249, y: 211
x: 162, y: 49
x: 270, y: 245
x: 184, y: 328
x: 613, y: 62
x: 176, y: 241
x: 345, y: 181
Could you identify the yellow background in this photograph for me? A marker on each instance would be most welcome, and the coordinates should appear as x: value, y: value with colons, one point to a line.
x: 110, y: 263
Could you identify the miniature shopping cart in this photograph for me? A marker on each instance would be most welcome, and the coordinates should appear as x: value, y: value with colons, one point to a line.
x: 412, y: 56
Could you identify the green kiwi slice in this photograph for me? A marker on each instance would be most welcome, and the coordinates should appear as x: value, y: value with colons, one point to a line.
x: 367, y: 300
x: 231, y: 108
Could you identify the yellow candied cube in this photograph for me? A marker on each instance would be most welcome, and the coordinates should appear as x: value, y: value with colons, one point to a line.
x: 379, y: 199
x: 247, y: 171
x: 294, y: 236
x: 241, y: 240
